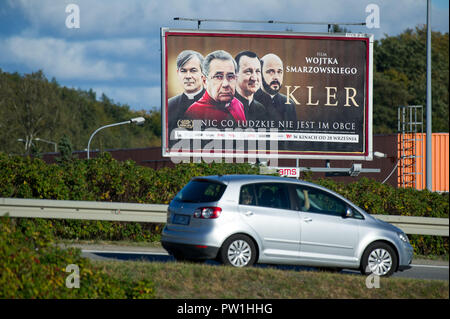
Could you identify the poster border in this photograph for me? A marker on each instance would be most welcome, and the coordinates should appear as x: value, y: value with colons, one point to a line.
x: 366, y: 154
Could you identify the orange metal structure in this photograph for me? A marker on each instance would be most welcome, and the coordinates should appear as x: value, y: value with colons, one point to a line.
x: 411, y: 166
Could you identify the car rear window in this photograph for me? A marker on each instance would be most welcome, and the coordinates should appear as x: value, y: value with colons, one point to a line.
x: 201, y: 191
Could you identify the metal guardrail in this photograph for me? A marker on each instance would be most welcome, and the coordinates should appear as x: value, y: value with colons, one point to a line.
x: 156, y: 213
x: 88, y: 210
x: 418, y: 225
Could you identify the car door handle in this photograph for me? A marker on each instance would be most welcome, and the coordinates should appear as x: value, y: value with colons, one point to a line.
x: 307, y: 219
x: 248, y: 213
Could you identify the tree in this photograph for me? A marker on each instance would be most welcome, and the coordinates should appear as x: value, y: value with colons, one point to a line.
x: 400, y: 77
x: 30, y: 107
x: 337, y: 29
x: 65, y: 149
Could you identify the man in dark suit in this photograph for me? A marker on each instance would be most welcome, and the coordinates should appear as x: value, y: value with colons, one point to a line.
x: 248, y: 82
x: 269, y: 95
x: 189, y: 72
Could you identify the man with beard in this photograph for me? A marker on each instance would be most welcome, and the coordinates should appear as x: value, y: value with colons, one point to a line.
x: 218, y: 103
x: 248, y: 82
x: 189, y: 72
x: 269, y: 95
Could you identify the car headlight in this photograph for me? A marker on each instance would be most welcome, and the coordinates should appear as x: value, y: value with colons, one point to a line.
x: 403, y: 237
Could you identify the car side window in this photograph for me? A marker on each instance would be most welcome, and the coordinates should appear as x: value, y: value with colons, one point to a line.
x: 247, y: 195
x: 317, y: 201
x: 274, y: 195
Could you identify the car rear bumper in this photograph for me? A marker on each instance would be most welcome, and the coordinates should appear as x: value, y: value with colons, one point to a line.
x: 190, y: 251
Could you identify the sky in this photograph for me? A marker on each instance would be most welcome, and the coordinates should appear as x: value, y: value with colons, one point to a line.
x: 115, y: 47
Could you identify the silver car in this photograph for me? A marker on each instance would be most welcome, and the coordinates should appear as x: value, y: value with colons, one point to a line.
x: 245, y: 219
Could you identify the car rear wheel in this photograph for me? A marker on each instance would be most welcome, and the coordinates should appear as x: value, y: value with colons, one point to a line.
x: 238, y: 251
x: 379, y: 259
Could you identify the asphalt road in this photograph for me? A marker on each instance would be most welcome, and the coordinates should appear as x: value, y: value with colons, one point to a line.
x: 421, y: 269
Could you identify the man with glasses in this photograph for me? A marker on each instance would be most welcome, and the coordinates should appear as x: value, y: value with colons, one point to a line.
x: 248, y: 82
x: 218, y: 102
x: 189, y: 73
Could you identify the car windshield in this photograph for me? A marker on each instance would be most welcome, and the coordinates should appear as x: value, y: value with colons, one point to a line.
x: 201, y: 191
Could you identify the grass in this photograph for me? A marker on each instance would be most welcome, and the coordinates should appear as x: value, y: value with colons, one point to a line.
x: 186, y: 281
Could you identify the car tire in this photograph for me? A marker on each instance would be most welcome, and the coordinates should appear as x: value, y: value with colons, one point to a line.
x: 379, y: 259
x: 238, y: 251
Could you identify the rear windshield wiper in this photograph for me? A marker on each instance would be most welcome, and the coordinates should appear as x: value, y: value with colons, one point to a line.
x: 189, y: 201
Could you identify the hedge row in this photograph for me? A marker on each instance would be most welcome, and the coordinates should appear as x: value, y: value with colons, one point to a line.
x: 101, y: 179
x: 105, y: 179
x: 31, y: 266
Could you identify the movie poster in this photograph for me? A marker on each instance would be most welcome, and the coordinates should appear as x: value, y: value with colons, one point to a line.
x: 307, y: 96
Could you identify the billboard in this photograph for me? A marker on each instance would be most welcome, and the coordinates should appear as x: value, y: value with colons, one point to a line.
x: 289, y: 95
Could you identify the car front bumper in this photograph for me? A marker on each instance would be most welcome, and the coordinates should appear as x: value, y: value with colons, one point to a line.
x: 406, y: 257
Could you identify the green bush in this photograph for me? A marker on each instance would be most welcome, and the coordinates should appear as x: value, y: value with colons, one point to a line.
x: 105, y: 230
x: 106, y: 179
x: 429, y: 245
x: 31, y: 266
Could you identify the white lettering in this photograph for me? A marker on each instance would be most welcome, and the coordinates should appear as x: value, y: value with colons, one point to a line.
x: 73, y: 19
x: 373, y: 19
x: 73, y: 280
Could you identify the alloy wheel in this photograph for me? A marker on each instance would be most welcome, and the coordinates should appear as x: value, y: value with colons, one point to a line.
x: 239, y: 253
x: 380, y: 262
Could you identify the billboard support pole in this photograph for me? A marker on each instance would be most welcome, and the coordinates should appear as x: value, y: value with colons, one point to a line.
x: 429, y: 169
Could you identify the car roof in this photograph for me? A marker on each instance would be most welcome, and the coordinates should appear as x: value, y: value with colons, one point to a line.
x: 244, y: 179
x: 247, y: 179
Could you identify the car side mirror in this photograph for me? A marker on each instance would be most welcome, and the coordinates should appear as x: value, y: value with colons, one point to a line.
x: 348, y: 213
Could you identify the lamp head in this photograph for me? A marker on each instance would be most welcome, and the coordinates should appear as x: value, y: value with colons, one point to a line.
x: 138, y: 120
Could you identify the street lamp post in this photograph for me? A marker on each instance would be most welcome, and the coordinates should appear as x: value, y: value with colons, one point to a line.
x: 49, y: 142
x: 136, y: 120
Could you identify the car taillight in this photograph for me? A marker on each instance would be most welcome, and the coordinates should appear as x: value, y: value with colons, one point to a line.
x: 207, y: 212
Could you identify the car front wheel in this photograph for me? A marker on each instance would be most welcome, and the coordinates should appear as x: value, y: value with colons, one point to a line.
x: 379, y: 259
x: 238, y: 251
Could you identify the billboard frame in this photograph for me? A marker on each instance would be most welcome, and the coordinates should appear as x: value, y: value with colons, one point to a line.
x: 366, y: 155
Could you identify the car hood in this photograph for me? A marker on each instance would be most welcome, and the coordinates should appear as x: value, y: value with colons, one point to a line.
x: 388, y: 226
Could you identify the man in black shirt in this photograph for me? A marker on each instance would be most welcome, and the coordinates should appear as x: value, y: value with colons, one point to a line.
x: 269, y: 95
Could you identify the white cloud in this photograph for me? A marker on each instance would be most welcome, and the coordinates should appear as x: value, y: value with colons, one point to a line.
x: 110, y: 59
x: 117, y: 18
x: 122, y: 48
x: 60, y: 59
x: 117, y: 47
